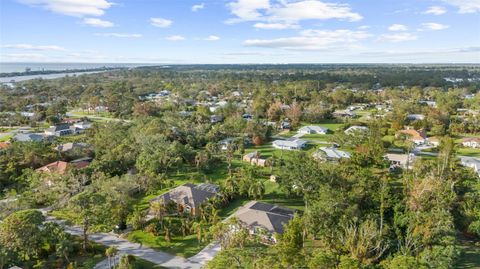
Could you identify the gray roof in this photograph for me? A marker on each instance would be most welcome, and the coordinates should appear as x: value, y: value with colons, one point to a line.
x: 190, y: 194
x: 262, y: 215
x: 28, y: 137
x: 58, y: 128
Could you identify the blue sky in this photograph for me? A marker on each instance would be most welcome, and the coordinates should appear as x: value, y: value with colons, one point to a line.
x: 240, y: 31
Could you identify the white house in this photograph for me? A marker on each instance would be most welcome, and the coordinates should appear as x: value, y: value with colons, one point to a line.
x: 313, y: 130
x: 355, y: 129
x: 400, y: 160
x: 415, y: 117
x: 331, y: 154
x: 471, y: 162
x: 291, y: 144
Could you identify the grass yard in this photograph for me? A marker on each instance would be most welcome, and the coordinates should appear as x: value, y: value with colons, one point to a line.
x: 182, y: 246
x: 471, y: 152
x: 6, y: 138
x: 470, y: 255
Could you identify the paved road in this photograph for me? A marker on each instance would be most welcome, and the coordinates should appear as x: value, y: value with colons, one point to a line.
x: 155, y: 256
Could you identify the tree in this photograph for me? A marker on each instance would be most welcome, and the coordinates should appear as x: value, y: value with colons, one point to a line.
x: 21, y: 232
x: 111, y: 252
x: 257, y: 189
x: 127, y: 262
x: 90, y: 207
x: 159, y: 209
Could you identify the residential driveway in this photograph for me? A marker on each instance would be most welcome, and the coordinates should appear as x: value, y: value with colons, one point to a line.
x: 124, y: 246
x: 207, y: 254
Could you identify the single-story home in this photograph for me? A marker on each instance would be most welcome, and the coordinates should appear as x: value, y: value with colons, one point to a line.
x: 313, y: 130
x: 189, y: 196
x: 471, y: 142
x: 417, y: 137
x: 71, y: 146
x: 400, y: 160
x: 60, y: 167
x: 254, y: 158
x: 434, y: 141
x: 60, y: 130
x: 256, y: 216
x: 355, y: 129
x: 83, y: 125
x: 413, y: 117
x: 290, y: 144
x: 216, y: 118
x: 471, y: 162
x: 330, y: 154
x: 28, y: 137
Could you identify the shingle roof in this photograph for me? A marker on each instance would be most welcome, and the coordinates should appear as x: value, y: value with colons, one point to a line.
x: 189, y: 194
x: 262, y: 215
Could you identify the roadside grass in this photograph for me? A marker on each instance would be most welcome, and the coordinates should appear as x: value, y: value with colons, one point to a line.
x: 6, y: 138
x: 182, y: 246
x: 471, y: 152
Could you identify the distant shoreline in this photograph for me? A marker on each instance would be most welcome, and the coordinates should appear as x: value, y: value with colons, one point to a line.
x: 50, y: 72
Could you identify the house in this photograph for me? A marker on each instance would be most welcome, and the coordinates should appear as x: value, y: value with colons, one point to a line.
x: 28, y: 137
x: 434, y: 141
x: 344, y: 114
x: 400, y: 160
x: 291, y: 144
x: 71, y: 146
x: 355, y: 129
x: 285, y: 125
x: 254, y: 158
x: 59, y: 130
x: 4, y: 145
x: 83, y: 125
x: 61, y: 167
x: 216, y: 118
x: 331, y: 154
x: 189, y: 196
x: 313, y: 130
x: 247, y: 117
x: 471, y: 142
x: 225, y: 143
x: 414, y: 117
x: 257, y: 216
x: 471, y: 162
x: 417, y: 137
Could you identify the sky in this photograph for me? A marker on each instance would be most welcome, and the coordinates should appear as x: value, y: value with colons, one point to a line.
x: 240, y: 31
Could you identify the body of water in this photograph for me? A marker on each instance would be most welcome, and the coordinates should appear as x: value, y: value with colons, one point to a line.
x: 21, y: 67
x: 43, y: 76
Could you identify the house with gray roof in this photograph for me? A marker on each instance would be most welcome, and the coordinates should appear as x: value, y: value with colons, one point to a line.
x: 356, y: 129
x: 313, y: 130
x: 189, y: 197
x: 28, y: 137
x: 471, y: 162
x: 60, y: 130
x: 257, y: 216
x: 331, y: 154
x: 290, y: 144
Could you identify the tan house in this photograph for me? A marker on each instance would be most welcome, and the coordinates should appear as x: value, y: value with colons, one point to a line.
x: 60, y: 167
x: 471, y: 142
x: 189, y: 197
x: 254, y: 158
x: 417, y: 137
x: 404, y: 161
x: 257, y: 216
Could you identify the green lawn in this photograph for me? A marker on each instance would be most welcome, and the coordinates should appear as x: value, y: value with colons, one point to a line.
x: 469, y: 152
x: 182, y: 246
x: 470, y: 255
x: 5, y: 138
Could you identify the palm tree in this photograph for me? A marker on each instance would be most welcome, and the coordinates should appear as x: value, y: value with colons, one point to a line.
x: 159, y: 209
x: 256, y: 190
x: 197, y: 227
x: 231, y: 186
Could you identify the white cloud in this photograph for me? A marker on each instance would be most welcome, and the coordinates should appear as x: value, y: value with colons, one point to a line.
x: 400, y: 37
x: 397, y: 27
x: 160, y: 22
x: 175, y: 38
x: 15, y: 57
x: 433, y: 26
x: 212, y: 38
x: 197, y: 7
x: 76, y: 8
x: 275, y: 26
x: 436, y: 10
x: 364, y: 27
x: 290, y: 12
x: 465, y: 6
x: 34, y: 47
x: 120, y: 35
x: 98, y: 22
x: 313, y: 40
